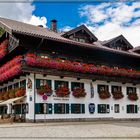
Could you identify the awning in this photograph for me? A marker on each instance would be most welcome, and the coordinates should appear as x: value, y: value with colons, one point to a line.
x: 10, y: 101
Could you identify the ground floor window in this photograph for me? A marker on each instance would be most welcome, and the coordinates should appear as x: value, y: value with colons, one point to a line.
x: 19, y: 109
x: 132, y: 109
x: 116, y: 108
x: 103, y: 108
x: 77, y: 108
x: 41, y: 108
x: 3, y: 110
x: 61, y: 108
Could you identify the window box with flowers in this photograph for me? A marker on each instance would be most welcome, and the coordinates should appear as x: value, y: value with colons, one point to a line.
x: 131, y: 93
x: 44, y: 87
x: 103, y: 92
x: 62, y: 89
x: 78, y: 89
x: 117, y: 93
x: 20, y: 92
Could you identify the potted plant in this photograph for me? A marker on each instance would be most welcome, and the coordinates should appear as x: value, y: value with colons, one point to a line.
x: 44, y: 89
x: 79, y: 92
x: 20, y: 92
x: 62, y: 91
x: 117, y: 95
x: 104, y: 94
x: 133, y: 96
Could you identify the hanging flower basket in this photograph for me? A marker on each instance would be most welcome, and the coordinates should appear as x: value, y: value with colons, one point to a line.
x: 20, y: 92
x: 104, y: 94
x: 44, y: 89
x: 62, y: 91
x: 117, y: 95
x: 133, y: 96
x: 79, y: 92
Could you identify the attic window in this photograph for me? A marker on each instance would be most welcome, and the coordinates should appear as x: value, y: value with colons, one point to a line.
x: 81, y: 40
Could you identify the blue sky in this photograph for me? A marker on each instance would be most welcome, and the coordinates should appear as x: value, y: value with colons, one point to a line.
x: 106, y: 20
x: 65, y: 13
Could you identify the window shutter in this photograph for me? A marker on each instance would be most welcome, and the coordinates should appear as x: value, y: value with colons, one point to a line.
x: 72, y: 108
x: 49, y: 83
x: 67, y: 108
x: 49, y: 108
x: 136, y: 109
x: 37, y: 109
x: 37, y: 83
x: 127, y: 108
x: 83, y: 108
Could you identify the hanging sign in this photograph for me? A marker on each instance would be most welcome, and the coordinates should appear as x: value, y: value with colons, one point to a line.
x: 91, y: 108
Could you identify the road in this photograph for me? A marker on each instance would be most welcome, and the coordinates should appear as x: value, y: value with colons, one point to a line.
x: 71, y: 130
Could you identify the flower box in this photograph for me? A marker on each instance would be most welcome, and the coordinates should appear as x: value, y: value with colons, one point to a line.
x: 79, y: 92
x: 104, y: 94
x: 20, y: 92
x: 117, y: 95
x: 133, y: 96
x: 44, y: 89
x: 62, y: 91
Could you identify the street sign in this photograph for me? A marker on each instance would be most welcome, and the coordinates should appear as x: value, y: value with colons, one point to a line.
x: 44, y: 97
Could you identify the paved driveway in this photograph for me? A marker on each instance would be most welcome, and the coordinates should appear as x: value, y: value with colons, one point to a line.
x: 72, y: 130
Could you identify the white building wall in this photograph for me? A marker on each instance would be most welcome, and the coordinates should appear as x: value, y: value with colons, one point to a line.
x: 85, y: 100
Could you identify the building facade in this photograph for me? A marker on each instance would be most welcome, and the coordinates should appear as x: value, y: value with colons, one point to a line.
x: 47, y: 75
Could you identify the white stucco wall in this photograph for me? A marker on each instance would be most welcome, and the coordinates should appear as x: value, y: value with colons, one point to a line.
x: 86, y: 100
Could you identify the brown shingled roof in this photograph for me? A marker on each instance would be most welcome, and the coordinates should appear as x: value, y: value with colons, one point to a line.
x: 12, y: 26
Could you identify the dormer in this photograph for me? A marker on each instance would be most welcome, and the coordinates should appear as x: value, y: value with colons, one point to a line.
x: 81, y: 34
x: 118, y: 43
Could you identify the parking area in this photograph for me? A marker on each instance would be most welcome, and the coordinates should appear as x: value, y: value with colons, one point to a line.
x: 72, y: 130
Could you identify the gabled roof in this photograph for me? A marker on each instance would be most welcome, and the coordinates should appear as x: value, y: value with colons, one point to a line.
x: 12, y: 26
x: 118, y: 38
x: 82, y: 27
x: 136, y: 49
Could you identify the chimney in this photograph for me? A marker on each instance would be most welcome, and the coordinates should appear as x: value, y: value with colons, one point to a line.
x: 54, y: 25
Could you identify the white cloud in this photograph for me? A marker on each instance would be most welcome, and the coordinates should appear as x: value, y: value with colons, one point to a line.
x: 107, y: 20
x: 66, y: 28
x: 21, y: 12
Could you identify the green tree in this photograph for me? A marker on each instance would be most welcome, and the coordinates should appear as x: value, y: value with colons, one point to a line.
x: 1, y: 31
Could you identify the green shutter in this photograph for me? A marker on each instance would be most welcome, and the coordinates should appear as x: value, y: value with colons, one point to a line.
x: 56, y: 84
x: 49, y: 107
x: 37, y: 109
x: 136, y: 109
x: 49, y: 83
x: 83, y: 108
x: 72, y: 108
x: 67, y: 108
x: 55, y: 108
x: 127, y: 108
x: 37, y: 83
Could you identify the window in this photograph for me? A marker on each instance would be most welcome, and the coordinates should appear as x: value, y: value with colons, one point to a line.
x: 40, y: 108
x: 131, y: 90
x: 102, y: 88
x: 61, y: 108
x: 40, y: 82
x: 116, y: 108
x: 60, y: 83
x: 77, y: 108
x: 16, y: 85
x: 76, y: 84
x: 103, y: 108
x: 132, y: 108
x: 9, y: 87
x: 23, y: 83
x: 81, y: 40
x: 116, y: 88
